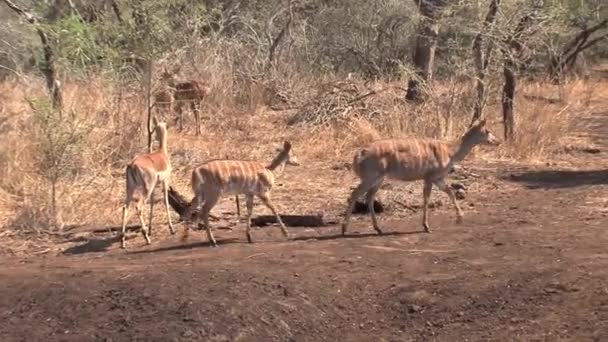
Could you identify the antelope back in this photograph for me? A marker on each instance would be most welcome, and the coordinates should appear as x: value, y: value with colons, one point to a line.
x: 404, y: 159
x: 233, y: 176
x: 190, y: 90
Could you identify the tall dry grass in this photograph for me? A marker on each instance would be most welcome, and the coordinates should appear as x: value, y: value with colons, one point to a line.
x: 237, y: 123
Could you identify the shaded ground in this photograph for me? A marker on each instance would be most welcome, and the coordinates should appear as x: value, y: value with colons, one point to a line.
x: 529, y: 263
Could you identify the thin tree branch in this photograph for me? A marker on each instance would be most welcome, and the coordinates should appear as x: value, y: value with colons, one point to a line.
x: 116, y: 10
x: 48, y: 69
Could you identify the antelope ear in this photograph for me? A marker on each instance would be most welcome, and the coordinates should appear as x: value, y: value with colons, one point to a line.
x: 287, y: 145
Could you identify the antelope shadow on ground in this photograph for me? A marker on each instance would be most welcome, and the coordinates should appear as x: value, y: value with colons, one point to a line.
x: 92, y: 246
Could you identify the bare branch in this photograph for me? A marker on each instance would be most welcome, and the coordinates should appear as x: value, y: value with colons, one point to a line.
x: 277, y: 40
x: 579, y: 43
x: 75, y: 10
x: 116, y: 10
x: 48, y: 69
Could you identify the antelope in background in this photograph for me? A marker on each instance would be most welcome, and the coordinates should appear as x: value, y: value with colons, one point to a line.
x: 224, y: 177
x: 142, y: 174
x: 177, y: 94
x: 409, y: 160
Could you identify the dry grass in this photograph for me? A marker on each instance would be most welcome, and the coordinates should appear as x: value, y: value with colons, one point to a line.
x: 246, y: 129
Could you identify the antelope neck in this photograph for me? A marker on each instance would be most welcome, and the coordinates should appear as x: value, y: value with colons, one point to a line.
x: 163, y: 141
x: 462, y: 148
x: 277, y: 161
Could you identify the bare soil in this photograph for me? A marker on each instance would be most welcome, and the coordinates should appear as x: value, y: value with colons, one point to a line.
x: 530, y: 263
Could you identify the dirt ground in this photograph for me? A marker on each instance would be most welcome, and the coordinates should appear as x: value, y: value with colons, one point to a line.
x: 530, y: 263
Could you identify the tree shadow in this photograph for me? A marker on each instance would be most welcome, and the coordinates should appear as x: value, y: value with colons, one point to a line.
x: 560, y: 178
x: 92, y: 246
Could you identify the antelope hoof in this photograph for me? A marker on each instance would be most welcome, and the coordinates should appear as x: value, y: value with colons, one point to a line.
x: 344, y: 227
x: 249, y: 239
x: 285, y: 233
x: 378, y: 230
x: 427, y: 229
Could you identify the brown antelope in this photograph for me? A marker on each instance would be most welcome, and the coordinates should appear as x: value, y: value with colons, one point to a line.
x: 163, y: 100
x: 143, y: 173
x: 181, y: 93
x: 222, y: 177
x: 410, y: 160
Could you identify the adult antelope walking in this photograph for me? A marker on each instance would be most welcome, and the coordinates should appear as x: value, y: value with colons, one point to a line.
x: 410, y: 160
x: 225, y: 177
x: 142, y: 174
x: 180, y: 94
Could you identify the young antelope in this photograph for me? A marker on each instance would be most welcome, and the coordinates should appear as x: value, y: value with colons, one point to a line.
x: 190, y: 92
x: 410, y: 160
x: 226, y: 177
x: 143, y: 173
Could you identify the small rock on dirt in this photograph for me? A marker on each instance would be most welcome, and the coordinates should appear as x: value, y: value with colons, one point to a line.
x: 188, y: 334
x: 341, y: 166
x: 592, y: 150
x: 458, y: 186
x: 460, y: 194
x: 413, y: 308
x: 550, y: 290
x: 516, y: 320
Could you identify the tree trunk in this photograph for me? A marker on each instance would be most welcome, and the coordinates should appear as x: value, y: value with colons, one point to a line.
x: 54, y: 215
x: 511, y: 51
x: 274, y: 42
x: 508, y: 94
x: 481, y: 61
x: 148, y: 94
x: 426, y: 43
x: 48, y: 67
x: 424, y: 56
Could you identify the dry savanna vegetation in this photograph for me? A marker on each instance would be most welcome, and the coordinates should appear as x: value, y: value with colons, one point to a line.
x: 81, y: 80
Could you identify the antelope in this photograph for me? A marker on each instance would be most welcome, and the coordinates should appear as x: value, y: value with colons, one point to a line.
x: 252, y: 178
x: 409, y: 160
x: 180, y: 93
x: 163, y: 100
x: 142, y: 174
